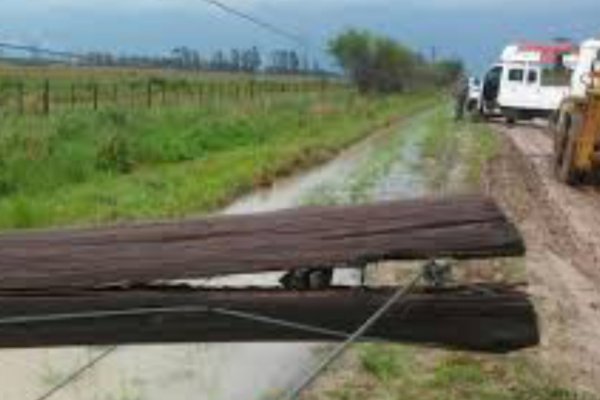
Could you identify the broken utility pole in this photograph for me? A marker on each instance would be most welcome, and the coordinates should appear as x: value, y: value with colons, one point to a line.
x: 112, y: 285
x: 460, y: 227
x: 482, y: 318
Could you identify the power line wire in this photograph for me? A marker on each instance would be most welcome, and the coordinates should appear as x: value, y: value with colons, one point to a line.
x: 133, y: 312
x: 217, y: 3
x: 79, y: 372
x: 40, y: 50
x: 259, y: 22
x: 65, y: 317
x: 151, y: 311
x: 398, y: 297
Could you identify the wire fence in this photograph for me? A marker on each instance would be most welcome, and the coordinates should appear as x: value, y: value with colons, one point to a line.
x: 44, y: 97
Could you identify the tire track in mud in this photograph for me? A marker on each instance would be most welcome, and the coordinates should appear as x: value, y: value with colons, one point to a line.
x: 561, y: 226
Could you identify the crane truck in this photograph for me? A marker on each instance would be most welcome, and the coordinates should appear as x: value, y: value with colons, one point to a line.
x: 576, y: 124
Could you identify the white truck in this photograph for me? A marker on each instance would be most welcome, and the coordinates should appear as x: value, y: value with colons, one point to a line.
x: 529, y: 81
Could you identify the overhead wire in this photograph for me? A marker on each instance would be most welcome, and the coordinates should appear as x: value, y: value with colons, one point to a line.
x: 137, y: 312
x: 259, y: 22
x: 76, y: 374
x: 41, y: 50
x: 101, y: 314
x: 397, y: 298
x: 266, y: 25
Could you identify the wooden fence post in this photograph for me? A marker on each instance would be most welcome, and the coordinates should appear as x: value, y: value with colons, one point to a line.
x: 200, y: 93
x: 237, y: 87
x: 73, y: 97
x: 149, y: 94
x: 95, y: 95
x: 132, y: 94
x: 21, y: 97
x: 46, y: 97
x: 252, y: 88
x: 116, y: 94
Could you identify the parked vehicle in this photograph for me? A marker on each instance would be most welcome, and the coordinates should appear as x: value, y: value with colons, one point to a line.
x: 474, y: 96
x: 529, y: 81
x: 576, y: 127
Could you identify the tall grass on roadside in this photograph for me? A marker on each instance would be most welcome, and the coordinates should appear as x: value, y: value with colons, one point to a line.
x: 453, y: 154
x: 87, y: 167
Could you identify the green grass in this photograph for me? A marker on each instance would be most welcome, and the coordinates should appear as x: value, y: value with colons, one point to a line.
x: 385, y: 362
x: 96, y: 167
x: 454, y: 154
x: 387, y: 372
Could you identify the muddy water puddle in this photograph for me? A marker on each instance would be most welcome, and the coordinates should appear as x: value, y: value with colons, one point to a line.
x: 379, y: 168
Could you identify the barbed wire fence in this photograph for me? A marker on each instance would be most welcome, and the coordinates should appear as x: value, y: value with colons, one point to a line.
x: 44, y: 97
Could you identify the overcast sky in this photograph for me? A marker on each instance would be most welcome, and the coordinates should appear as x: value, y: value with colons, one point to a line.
x: 475, y: 30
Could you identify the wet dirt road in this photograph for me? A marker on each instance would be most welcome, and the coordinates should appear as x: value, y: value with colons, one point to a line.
x: 561, y: 226
x: 377, y: 168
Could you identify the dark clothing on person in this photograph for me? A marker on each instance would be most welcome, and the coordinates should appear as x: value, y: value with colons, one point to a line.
x: 461, y: 93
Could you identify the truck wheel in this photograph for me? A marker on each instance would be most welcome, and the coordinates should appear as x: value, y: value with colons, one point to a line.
x: 559, y: 135
x: 565, y: 146
x: 510, y: 116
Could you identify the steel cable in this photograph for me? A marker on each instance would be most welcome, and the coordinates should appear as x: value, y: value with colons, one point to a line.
x: 34, y: 319
x: 75, y: 375
x: 136, y: 312
x: 398, y: 297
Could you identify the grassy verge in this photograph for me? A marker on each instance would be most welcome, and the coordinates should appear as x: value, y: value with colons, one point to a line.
x: 453, y: 155
x: 89, y: 168
x: 383, y: 372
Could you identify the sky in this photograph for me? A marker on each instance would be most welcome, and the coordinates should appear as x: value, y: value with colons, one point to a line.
x: 474, y: 30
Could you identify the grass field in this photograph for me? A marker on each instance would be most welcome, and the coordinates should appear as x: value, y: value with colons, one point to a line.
x: 113, y: 165
x: 65, y: 73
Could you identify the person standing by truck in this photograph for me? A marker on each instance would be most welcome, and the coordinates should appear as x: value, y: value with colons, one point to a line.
x: 460, y: 93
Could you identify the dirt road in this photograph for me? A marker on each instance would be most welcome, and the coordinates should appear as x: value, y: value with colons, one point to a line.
x: 561, y: 226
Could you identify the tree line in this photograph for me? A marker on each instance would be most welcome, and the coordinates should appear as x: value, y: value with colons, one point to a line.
x: 250, y: 60
x: 376, y: 63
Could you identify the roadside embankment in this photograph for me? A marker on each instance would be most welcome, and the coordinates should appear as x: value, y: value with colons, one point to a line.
x: 89, y: 168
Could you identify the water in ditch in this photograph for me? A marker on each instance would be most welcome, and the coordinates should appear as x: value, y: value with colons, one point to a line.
x: 379, y: 168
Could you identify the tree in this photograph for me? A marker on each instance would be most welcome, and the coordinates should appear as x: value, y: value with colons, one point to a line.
x: 293, y: 62
x: 450, y: 70
x: 374, y: 63
x: 251, y: 60
x: 380, y: 64
x: 236, y: 60
x: 219, y: 61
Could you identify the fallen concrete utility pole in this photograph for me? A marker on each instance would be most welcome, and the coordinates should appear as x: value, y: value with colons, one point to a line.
x: 460, y: 227
x: 481, y: 318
